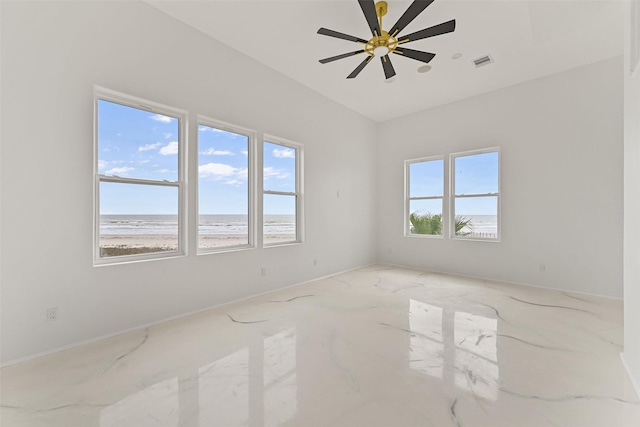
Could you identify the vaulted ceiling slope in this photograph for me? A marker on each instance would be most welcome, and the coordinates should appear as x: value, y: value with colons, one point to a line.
x: 526, y: 40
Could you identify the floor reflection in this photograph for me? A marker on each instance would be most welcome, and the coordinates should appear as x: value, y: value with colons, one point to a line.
x: 466, y: 343
x: 426, y: 350
x: 280, y: 386
x: 223, y: 392
x: 476, y: 354
x: 155, y: 405
x: 254, y: 386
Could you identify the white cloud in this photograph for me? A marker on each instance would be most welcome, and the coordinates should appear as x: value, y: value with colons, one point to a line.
x: 222, y: 172
x: 216, y: 170
x: 170, y: 148
x: 285, y: 153
x: 164, y: 171
x: 149, y: 147
x: 243, y: 173
x: 119, y: 171
x: 209, y: 129
x: 245, y: 152
x: 103, y: 164
x: 162, y: 119
x: 213, y: 152
x: 270, y: 172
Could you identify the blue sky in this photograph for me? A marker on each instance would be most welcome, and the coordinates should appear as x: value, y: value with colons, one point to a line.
x: 139, y: 144
x: 474, y: 174
x: 279, y: 175
x: 223, y: 167
x: 135, y: 143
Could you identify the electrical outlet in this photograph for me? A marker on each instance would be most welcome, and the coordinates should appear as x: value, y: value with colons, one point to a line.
x: 52, y: 314
x: 315, y: 262
x: 264, y: 271
x: 542, y: 267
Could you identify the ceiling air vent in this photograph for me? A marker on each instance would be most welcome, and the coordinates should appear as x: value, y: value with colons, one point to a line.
x: 483, y: 60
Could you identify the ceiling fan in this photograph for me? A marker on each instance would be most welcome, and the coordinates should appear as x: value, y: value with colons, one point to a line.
x: 385, y: 42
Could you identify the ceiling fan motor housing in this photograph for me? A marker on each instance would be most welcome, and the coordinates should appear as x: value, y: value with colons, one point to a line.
x: 381, y: 45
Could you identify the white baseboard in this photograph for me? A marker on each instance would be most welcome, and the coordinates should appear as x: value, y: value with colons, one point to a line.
x: 167, y: 319
x: 503, y: 281
x: 636, y: 385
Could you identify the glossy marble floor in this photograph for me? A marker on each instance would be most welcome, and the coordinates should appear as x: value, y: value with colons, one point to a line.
x: 379, y: 346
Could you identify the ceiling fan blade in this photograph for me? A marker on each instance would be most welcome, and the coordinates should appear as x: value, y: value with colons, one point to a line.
x: 388, y: 68
x: 436, y: 30
x: 369, y: 9
x: 409, y: 15
x: 336, y: 34
x: 344, y: 55
x: 418, y: 55
x: 360, y: 67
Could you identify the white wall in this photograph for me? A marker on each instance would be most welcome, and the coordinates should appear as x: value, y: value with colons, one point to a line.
x: 561, y: 152
x: 631, y: 354
x: 561, y: 140
x: 53, y: 53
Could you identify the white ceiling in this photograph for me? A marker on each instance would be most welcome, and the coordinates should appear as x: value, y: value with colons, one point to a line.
x: 527, y: 40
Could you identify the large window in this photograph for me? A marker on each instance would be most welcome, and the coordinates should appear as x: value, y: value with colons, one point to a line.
x: 139, y: 179
x: 141, y: 197
x: 475, y: 200
x: 225, y: 219
x: 470, y: 209
x: 282, y: 192
x: 425, y: 194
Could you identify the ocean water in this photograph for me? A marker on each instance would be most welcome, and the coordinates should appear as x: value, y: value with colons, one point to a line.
x: 138, y: 225
x: 484, y: 224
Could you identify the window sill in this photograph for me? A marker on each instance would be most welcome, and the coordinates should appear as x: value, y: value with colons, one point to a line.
x: 104, y: 262
x: 280, y: 244
x: 426, y: 236
x: 225, y: 249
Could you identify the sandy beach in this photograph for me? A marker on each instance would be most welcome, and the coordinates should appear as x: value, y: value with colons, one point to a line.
x: 164, y: 242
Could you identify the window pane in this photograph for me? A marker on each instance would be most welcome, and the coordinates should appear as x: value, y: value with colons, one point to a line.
x: 279, y: 220
x: 279, y: 168
x: 223, y: 190
x: 476, y: 174
x: 137, y: 219
x: 426, y: 178
x: 136, y: 143
x: 480, y: 215
x: 425, y: 217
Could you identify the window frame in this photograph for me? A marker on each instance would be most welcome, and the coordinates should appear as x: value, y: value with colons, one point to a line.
x: 298, y: 193
x: 453, y: 196
x: 104, y: 94
x: 408, y: 198
x: 251, y: 185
